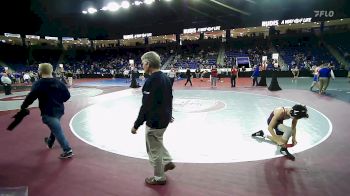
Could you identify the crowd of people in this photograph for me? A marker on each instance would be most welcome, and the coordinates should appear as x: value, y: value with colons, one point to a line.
x: 201, y: 58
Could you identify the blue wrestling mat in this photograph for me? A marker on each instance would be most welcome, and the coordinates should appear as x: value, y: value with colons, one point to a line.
x: 111, y: 82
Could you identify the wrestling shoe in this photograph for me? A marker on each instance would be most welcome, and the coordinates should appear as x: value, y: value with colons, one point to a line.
x: 286, y: 153
x: 259, y: 133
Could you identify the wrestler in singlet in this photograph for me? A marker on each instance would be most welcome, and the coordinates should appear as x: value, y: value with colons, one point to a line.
x: 285, y: 116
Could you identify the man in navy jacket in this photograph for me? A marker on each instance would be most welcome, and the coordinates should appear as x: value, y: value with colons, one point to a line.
x: 156, y: 110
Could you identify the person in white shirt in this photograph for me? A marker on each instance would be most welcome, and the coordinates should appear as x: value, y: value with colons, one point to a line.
x: 295, y: 72
x: 6, y: 81
x: 126, y: 74
x: 172, y: 76
x: 26, y: 78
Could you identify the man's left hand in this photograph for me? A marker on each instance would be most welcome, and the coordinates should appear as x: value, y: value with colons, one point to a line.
x: 133, y: 130
x: 294, y: 141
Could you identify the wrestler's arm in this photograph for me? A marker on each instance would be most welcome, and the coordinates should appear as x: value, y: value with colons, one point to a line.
x: 294, y: 130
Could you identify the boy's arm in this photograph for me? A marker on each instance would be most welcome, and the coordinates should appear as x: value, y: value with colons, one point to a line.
x: 294, y: 130
x: 31, y: 97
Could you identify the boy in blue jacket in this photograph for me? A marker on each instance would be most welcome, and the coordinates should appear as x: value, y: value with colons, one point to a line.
x: 51, y: 93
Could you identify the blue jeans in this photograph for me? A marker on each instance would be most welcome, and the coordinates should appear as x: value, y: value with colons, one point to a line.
x: 56, y: 131
x: 255, y: 80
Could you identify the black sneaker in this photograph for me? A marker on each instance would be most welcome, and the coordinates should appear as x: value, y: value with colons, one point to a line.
x: 259, y: 133
x: 169, y: 166
x: 48, y: 143
x: 66, y: 154
x: 286, y: 153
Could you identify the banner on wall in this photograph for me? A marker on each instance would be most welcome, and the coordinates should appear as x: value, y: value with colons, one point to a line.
x: 12, y: 35
x: 201, y: 30
x: 282, y: 22
x: 133, y: 36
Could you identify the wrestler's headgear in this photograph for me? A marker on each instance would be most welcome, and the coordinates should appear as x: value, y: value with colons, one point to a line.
x: 299, y: 111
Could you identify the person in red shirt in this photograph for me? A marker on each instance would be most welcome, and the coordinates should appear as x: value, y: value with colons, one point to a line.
x: 214, y: 76
x: 234, y: 75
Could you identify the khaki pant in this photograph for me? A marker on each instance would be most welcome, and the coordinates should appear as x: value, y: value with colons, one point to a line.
x: 324, y: 82
x: 157, y: 153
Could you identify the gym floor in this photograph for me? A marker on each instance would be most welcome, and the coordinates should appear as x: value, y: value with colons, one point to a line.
x: 210, y: 142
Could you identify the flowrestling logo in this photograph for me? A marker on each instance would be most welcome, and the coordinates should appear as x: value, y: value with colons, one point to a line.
x: 324, y: 13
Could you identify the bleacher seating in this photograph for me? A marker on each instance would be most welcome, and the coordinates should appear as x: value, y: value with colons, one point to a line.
x: 341, y: 42
x: 303, y: 52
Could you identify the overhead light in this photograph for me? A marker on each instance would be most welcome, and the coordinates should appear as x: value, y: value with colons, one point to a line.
x: 341, y: 19
x: 125, y: 4
x: 137, y: 3
x: 92, y: 10
x: 84, y: 12
x: 113, y: 6
x: 148, y: 1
